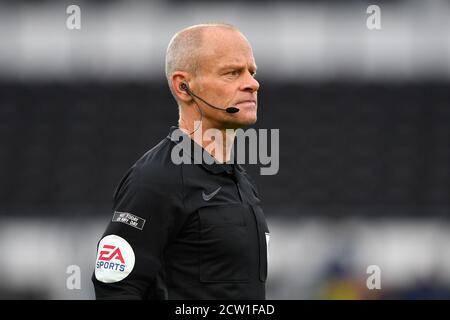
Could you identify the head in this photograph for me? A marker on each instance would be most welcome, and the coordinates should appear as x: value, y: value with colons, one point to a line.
x: 217, y: 63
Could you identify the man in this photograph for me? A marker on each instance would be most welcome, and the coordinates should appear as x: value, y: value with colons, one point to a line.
x: 192, y: 230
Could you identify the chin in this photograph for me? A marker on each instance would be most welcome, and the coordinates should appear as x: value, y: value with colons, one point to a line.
x: 240, y: 119
x: 248, y: 118
x: 250, y: 121
x: 244, y: 121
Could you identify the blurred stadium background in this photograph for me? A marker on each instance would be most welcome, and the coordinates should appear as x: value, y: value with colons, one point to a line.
x: 364, y: 121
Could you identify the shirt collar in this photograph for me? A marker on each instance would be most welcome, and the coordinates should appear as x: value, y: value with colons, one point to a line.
x: 214, y: 167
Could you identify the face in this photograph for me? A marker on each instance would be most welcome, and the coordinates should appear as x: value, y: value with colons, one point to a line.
x: 226, y: 78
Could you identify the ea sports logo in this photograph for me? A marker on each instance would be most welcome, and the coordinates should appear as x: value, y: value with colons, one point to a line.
x: 111, y: 258
x: 115, y: 259
x: 110, y: 252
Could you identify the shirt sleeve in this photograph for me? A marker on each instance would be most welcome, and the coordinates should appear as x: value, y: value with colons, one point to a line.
x: 146, y: 215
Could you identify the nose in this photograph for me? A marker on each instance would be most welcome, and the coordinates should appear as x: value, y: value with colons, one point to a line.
x: 250, y: 83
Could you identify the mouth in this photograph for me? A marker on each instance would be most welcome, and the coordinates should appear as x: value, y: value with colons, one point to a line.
x: 247, y: 103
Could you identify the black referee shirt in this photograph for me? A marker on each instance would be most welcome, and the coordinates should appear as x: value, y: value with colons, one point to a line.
x: 189, y: 231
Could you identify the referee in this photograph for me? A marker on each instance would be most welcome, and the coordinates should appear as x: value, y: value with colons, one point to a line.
x: 192, y: 230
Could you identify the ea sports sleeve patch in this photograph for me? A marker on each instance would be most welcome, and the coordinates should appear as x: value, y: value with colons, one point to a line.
x: 115, y: 259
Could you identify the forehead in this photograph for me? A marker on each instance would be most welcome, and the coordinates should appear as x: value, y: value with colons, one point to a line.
x: 221, y: 47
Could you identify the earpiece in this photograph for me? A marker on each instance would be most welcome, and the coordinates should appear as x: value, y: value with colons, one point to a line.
x: 184, y: 86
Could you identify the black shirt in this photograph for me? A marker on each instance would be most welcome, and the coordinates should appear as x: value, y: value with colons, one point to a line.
x: 187, y: 231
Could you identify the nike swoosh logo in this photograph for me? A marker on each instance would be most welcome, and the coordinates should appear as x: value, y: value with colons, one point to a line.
x: 208, y: 197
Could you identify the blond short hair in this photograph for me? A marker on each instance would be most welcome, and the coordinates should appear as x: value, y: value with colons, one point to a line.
x: 183, y: 51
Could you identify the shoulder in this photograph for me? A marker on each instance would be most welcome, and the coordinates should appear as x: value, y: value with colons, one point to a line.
x: 156, y: 165
x: 154, y: 171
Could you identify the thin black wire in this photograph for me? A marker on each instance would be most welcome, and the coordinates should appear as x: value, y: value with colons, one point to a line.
x: 201, y: 115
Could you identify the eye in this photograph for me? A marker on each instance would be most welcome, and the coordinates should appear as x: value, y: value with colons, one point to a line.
x: 234, y: 73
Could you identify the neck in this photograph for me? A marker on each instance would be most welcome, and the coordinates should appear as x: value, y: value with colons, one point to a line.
x: 217, y: 142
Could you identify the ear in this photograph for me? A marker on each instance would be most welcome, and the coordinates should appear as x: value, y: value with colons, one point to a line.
x: 177, y: 78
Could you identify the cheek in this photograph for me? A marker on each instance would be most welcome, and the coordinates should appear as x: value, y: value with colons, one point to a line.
x: 216, y: 90
x: 223, y: 95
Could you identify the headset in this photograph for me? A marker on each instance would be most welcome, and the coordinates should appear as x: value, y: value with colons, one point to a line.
x: 185, y: 87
